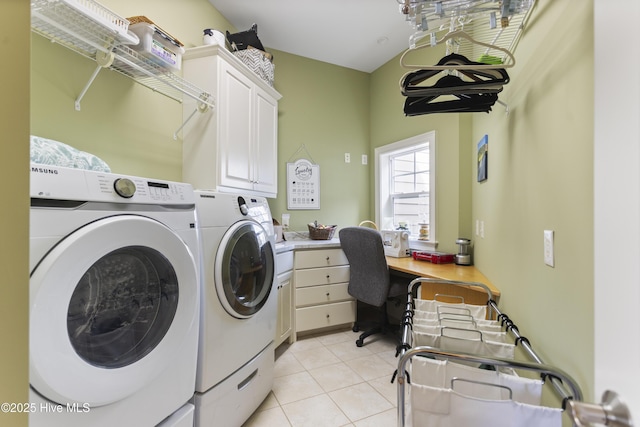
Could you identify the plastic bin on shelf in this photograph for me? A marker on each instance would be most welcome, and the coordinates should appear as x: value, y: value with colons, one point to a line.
x: 156, y: 46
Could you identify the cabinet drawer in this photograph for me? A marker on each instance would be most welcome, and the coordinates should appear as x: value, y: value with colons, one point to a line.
x: 321, y: 276
x: 314, y: 295
x: 320, y: 258
x: 325, y: 315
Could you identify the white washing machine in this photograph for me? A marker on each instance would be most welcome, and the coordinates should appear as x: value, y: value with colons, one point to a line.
x: 239, y: 308
x: 114, y: 300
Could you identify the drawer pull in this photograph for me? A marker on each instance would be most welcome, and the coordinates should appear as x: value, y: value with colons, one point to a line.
x: 327, y: 316
x: 328, y: 294
x: 328, y: 260
x: 328, y: 277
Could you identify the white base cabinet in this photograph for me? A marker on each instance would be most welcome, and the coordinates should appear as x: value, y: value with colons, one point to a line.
x: 233, y: 146
x: 321, y: 278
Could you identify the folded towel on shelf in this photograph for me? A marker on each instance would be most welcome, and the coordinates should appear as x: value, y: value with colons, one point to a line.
x: 50, y: 152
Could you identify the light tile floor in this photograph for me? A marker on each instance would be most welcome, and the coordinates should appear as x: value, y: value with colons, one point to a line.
x: 327, y: 381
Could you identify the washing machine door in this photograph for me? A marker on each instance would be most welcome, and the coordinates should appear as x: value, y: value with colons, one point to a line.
x: 244, y: 269
x: 110, y: 306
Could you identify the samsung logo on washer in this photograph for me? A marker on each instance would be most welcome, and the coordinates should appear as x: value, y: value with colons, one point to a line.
x: 44, y: 170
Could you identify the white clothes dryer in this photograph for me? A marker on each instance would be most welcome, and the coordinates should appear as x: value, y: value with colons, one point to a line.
x: 239, y: 308
x: 114, y: 299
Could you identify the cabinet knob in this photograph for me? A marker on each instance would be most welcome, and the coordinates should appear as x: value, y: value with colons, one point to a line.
x: 327, y: 316
x: 328, y: 258
x: 328, y: 294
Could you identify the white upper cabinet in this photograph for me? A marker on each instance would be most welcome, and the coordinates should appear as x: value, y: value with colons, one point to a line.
x: 233, y: 147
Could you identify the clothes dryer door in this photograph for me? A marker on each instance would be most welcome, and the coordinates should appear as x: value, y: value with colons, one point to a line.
x: 244, y: 269
x: 110, y: 306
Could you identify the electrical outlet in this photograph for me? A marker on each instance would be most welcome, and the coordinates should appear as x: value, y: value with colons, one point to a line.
x: 477, y: 227
x: 347, y: 157
x: 365, y: 160
x: 548, y: 248
x: 482, y: 229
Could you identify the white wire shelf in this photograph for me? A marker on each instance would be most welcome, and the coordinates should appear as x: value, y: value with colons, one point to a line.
x: 93, y: 31
x: 496, y: 22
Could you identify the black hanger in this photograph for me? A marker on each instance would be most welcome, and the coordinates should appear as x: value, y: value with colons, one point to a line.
x: 476, y: 92
x: 481, y: 80
x: 465, y: 103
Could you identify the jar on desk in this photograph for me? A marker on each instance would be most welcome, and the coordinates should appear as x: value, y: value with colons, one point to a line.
x: 424, y: 231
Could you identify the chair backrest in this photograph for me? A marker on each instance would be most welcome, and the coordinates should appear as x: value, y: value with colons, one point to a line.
x: 369, y: 273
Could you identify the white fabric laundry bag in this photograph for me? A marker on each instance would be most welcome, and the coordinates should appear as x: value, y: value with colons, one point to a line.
x: 455, y: 331
x: 461, y: 323
x: 440, y: 373
x: 457, y: 345
x: 437, y: 407
x: 476, y: 311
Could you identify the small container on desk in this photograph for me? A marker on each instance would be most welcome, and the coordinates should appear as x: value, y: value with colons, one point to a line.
x: 435, y: 257
x: 321, y: 232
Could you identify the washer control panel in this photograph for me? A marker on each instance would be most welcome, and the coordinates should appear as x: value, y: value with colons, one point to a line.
x: 52, y: 182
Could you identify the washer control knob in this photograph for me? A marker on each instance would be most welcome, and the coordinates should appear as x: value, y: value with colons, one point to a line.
x: 124, y: 187
x: 242, y: 204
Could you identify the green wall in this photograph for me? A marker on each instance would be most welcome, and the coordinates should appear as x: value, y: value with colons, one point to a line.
x: 126, y: 124
x: 389, y: 124
x: 540, y: 177
x: 14, y: 226
x: 324, y: 111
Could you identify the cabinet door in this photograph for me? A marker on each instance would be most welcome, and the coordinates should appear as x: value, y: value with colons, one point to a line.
x: 236, y: 134
x: 285, y: 307
x: 266, y: 143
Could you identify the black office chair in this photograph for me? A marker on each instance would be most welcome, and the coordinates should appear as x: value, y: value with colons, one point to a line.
x: 369, y: 280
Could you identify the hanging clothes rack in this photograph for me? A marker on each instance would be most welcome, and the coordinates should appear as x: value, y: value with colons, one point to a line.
x: 611, y: 412
x: 486, y: 32
x: 498, y: 23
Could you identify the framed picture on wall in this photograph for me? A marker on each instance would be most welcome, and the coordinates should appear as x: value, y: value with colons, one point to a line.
x: 483, y: 149
x: 303, y: 185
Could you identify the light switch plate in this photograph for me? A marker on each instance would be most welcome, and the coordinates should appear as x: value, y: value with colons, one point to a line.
x: 548, y: 248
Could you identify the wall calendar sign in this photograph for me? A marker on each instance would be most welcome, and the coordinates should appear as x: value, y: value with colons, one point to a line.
x: 303, y: 185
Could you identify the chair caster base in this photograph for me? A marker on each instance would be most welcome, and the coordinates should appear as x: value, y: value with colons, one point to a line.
x: 359, y: 342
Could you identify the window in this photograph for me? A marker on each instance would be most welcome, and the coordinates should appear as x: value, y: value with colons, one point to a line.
x: 405, y: 188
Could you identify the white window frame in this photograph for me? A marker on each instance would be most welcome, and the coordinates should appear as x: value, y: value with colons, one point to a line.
x: 383, y: 203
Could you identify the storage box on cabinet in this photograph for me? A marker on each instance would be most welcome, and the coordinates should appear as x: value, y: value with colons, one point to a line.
x: 321, y: 278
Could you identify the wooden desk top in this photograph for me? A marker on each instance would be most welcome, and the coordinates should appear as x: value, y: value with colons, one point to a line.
x: 441, y: 271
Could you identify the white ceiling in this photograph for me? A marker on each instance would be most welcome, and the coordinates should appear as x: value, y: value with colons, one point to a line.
x: 357, y: 34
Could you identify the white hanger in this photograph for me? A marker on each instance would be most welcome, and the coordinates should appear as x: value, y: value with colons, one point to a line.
x: 459, y: 34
